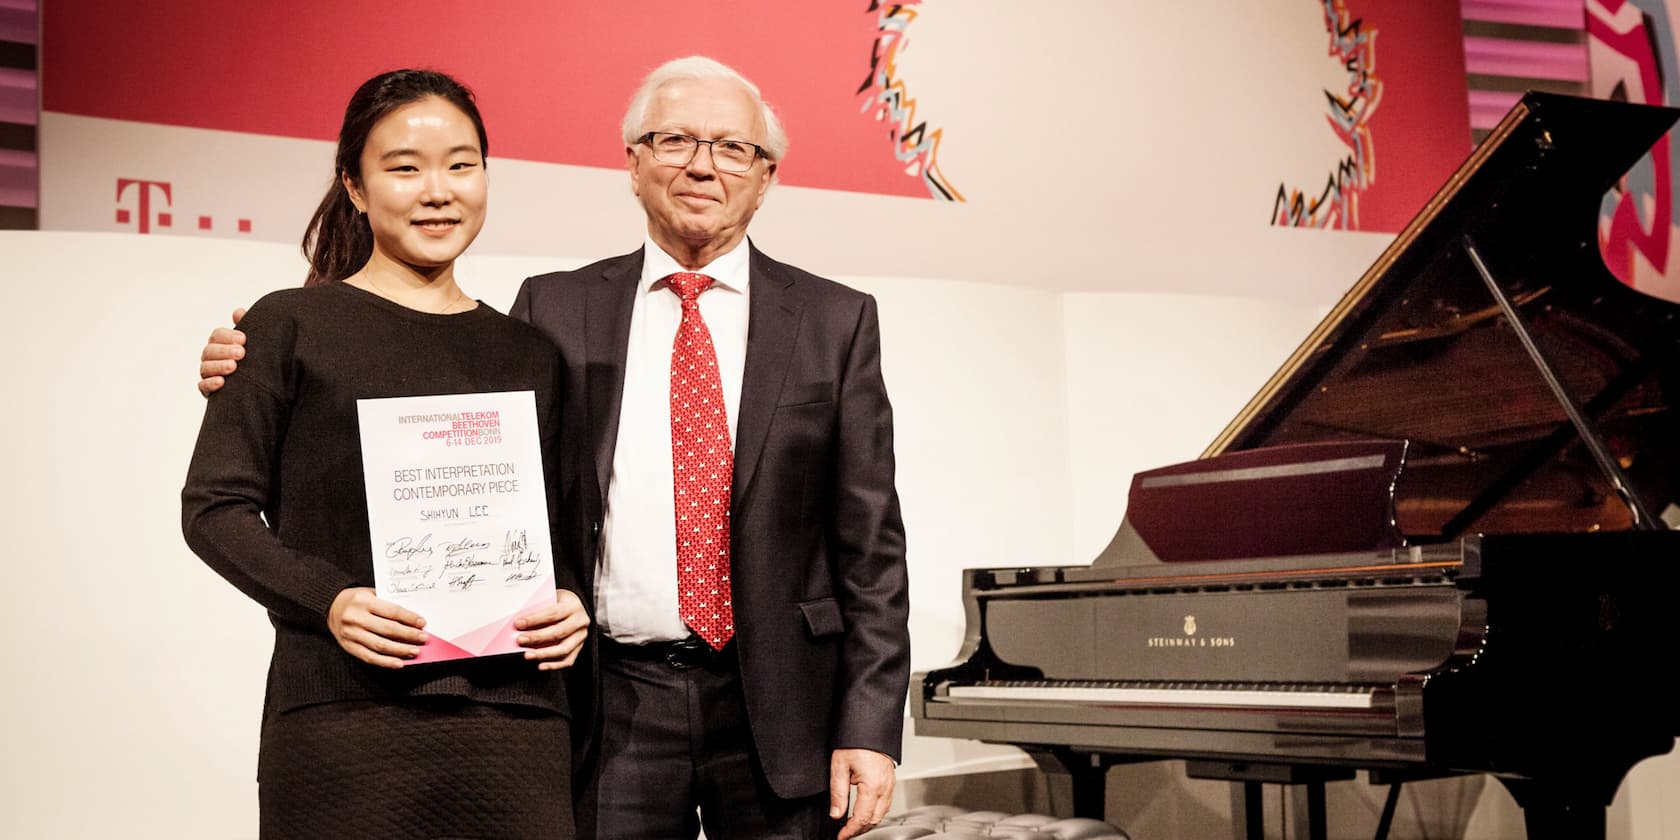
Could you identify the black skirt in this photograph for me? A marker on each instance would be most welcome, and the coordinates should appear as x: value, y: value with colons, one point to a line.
x: 441, y: 768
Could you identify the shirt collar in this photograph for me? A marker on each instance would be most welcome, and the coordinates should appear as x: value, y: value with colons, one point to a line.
x: 728, y: 271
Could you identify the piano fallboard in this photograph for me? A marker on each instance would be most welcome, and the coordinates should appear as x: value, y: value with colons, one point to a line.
x: 1327, y: 623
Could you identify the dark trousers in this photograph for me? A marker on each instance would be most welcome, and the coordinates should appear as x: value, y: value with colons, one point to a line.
x: 675, y: 741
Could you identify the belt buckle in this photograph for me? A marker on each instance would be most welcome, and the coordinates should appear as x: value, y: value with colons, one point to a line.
x: 685, y: 654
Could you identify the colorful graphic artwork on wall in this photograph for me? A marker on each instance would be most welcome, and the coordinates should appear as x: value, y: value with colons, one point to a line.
x: 552, y: 76
x: 916, y: 145
x: 217, y: 120
x: 1349, y: 113
x: 1403, y: 129
x: 1633, y: 54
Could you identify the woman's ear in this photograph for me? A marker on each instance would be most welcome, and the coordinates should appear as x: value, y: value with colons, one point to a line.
x: 354, y: 190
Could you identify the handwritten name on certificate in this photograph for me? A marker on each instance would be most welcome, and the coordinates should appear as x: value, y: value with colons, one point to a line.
x: 458, y: 515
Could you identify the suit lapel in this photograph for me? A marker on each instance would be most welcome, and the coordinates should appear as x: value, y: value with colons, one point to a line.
x: 772, y: 325
x: 607, y: 339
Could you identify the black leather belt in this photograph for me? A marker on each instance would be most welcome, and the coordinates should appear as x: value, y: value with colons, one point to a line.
x: 691, y: 652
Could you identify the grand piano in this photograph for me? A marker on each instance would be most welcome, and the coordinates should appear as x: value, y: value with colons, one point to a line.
x: 1433, y: 544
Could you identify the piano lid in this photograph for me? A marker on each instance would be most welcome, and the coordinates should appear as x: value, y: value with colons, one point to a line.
x: 1419, y: 350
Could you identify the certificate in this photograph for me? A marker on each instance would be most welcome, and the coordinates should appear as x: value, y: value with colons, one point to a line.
x: 458, y: 515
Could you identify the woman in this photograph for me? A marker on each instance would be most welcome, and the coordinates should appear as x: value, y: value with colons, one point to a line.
x: 354, y: 744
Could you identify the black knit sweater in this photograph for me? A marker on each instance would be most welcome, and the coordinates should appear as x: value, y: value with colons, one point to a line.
x: 275, y: 500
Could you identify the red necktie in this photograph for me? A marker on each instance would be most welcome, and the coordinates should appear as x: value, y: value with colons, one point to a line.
x: 702, y: 464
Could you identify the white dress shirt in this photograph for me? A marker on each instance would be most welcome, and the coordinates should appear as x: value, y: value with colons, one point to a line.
x: 636, y: 580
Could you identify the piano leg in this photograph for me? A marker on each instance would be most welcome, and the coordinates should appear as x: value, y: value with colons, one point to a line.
x: 1318, y: 823
x: 1394, y: 779
x: 1248, y: 799
x: 1083, y: 774
x: 1554, y: 812
x: 1247, y: 782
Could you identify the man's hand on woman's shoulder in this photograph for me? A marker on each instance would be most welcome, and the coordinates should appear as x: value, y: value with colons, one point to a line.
x: 221, y: 356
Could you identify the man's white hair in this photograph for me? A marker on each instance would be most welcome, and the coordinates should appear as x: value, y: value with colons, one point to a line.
x: 700, y: 67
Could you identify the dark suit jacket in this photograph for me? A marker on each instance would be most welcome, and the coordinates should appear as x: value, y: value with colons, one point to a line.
x: 817, y: 556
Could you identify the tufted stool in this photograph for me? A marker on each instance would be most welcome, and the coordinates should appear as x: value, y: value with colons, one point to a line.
x: 945, y: 822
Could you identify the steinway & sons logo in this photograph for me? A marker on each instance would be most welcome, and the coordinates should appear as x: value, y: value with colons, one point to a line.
x: 1190, y: 639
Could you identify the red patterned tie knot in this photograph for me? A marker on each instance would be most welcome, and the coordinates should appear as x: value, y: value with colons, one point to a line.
x: 688, y: 285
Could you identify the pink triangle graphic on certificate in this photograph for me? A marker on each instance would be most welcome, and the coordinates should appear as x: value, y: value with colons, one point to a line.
x: 437, y: 650
x: 493, y: 638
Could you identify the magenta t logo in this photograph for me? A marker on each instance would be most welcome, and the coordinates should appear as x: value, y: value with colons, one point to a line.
x: 163, y: 219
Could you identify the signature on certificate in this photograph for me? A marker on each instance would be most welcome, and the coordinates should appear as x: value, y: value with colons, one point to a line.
x: 518, y: 560
x: 464, y: 545
x: 462, y: 583
x: 409, y: 548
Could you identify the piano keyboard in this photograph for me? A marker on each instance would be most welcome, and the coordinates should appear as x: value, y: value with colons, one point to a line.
x: 1180, y: 694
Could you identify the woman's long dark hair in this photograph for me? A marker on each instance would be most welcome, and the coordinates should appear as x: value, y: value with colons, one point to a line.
x: 338, y: 241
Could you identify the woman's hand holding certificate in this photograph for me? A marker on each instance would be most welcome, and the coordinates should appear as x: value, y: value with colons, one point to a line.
x: 554, y: 634
x: 374, y: 630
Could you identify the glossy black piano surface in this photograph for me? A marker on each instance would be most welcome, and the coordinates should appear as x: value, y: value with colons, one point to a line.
x: 1507, y: 611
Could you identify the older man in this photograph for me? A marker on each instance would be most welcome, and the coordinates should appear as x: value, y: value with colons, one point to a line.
x: 731, y: 473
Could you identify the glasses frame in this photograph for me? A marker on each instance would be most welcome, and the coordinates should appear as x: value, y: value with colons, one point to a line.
x: 758, y: 151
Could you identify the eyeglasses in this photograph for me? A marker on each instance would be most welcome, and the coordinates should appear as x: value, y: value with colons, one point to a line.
x: 679, y: 149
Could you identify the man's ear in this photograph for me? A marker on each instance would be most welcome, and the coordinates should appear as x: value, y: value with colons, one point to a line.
x: 630, y: 164
x: 769, y: 178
